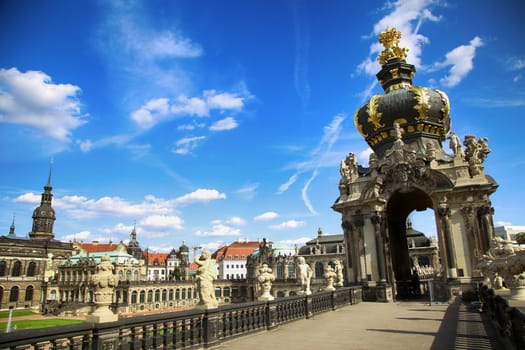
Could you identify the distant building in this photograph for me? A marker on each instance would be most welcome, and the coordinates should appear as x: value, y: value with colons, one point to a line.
x: 231, y: 259
x: 508, y: 232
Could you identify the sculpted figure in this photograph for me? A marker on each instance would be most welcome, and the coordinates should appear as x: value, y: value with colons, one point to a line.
x: 339, y: 273
x: 330, y: 277
x: 206, y: 273
x: 104, y: 281
x: 305, y: 275
x: 265, y: 279
x: 455, y: 145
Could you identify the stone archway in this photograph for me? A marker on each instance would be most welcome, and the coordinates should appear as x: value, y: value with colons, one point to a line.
x: 399, y: 206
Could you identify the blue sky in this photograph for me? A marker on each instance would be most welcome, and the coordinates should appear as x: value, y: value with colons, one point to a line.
x: 212, y: 121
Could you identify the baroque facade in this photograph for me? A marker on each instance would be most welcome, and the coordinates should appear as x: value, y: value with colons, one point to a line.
x: 409, y: 170
x: 27, y: 264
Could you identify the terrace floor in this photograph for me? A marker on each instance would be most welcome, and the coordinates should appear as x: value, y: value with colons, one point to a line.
x: 399, y: 325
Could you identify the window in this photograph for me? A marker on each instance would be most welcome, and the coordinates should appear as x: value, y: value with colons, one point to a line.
x: 150, y: 296
x: 120, y: 275
x: 319, y: 270
x: 157, y: 295
x: 291, y: 271
x: 2, y: 268
x: 29, y: 293
x: 134, y: 297
x: 236, y: 257
x: 243, y: 257
x: 128, y: 275
x: 229, y: 257
x: 135, y: 276
x: 183, y: 293
x: 17, y: 269
x: 170, y: 294
x: 142, y: 297
x: 280, y: 271
x: 31, y: 269
x: 177, y: 294
x: 13, y: 296
x: 164, y: 294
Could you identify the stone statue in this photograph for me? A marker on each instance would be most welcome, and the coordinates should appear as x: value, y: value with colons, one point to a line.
x: 206, y: 273
x: 348, y: 167
x: 265, y: 279
x: 305, y: 275
x: 339, y: 273
x: 455, y: 145
x: 498, y: 281
x: 330, y: 277
x: 104, y: 283
x: 475, y: 154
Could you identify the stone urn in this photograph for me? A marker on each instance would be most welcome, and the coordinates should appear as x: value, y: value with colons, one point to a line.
x: 265, y: 279
x: 104, y: 283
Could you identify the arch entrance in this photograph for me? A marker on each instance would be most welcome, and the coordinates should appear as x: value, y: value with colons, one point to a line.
x: 404, y: 265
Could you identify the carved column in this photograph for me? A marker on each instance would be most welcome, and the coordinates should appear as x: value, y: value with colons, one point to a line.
x: 473, y: 231
x: 485, y: 214
x: 352, y: 255
x: 359, y: 223
x: 377, y: 220
x: 444, y: 215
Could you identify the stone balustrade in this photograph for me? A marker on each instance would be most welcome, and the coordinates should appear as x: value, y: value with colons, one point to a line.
x: 183, y: 329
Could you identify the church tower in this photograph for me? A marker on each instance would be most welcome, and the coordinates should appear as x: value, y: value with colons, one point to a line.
x: 410, y: 171
x: 44, y: 215
x: 134, y: 246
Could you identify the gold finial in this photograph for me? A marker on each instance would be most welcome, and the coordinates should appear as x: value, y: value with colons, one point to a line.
x: 390, y: 40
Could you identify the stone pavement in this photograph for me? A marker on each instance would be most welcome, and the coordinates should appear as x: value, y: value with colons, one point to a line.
x: 392, y: 326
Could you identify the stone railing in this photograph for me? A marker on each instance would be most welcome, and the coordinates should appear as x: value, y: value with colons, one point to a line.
x: 508, y: 321
x: 183, y: 329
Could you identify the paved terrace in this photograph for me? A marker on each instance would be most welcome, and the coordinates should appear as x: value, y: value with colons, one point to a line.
x: 392, y: 326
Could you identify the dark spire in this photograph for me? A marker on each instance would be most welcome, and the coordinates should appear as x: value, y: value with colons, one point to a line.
x: 44, y: 215
x: 12, y: 228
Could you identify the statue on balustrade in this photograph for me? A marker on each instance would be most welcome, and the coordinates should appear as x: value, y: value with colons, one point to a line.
x: 206, y: 273
x: 265, y: 279
x: 305, y: 275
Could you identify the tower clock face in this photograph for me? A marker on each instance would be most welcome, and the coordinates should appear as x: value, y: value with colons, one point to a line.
x: 43, y: 212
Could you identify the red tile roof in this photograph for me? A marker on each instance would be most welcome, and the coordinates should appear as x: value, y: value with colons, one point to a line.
x: 102, y: 247
x: 160, y: 257
x: 238, y: 249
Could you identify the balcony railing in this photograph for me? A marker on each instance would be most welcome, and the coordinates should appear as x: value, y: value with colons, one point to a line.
x: 183, y: 329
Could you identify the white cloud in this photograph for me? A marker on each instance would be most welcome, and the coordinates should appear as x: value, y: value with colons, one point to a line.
x: 120, y: 230
x: 269, y: 215
x: 227, y: 123
x: 236, y: 221
x: 83, y: 236
x: 219, y: 229
x: 151, y: 113
x: 284, y: 187
x: 290, y: 224
x: 29, y: 198
x: 167, y: 44
x: 461, y: 61
x: 161, y: 109
x: 33, y: 100
x: 162, y: 222
x: 187, y: 144
x: 200, y: 195
x: 85, y: 145
x: 212, y: 246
